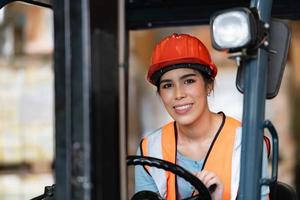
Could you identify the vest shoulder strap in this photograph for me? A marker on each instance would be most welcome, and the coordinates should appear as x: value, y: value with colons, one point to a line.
x: 219, y: 159
x: 167, y: 151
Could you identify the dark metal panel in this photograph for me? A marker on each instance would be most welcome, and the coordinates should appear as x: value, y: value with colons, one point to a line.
x: 72, y: 99
x: 142, y: 14
x: 286, y: 9
x: 43, y: 3
x: 161, y: 13
x: 105, y: 100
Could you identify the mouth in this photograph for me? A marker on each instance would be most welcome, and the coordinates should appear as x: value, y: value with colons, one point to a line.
x: 182, y: 109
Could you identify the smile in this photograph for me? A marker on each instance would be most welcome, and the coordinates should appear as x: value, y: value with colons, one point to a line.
x: 182, y: 109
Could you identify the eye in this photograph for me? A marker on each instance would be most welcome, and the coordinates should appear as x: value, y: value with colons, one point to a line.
x: 189, y: 81
x: 166, y: 85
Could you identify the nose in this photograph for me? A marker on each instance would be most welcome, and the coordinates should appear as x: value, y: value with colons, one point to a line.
x: 179, y: 92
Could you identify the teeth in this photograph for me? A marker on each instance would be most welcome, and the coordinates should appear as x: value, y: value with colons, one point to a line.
x: 183, y: 107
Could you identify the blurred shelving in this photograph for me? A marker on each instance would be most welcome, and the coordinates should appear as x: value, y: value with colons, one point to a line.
x: 26, y: 102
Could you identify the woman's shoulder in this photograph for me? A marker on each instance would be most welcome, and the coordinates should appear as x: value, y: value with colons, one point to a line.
x: 232, y: 120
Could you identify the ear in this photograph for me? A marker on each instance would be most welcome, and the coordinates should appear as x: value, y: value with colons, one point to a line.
x: 209, y: 89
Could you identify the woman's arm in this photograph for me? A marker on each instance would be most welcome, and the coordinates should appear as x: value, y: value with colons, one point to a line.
x: 143, y: 181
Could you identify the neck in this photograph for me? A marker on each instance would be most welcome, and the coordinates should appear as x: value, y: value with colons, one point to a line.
x: 204, y: 128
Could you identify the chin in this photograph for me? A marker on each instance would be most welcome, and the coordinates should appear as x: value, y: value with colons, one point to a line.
x: 184, y: 123
x: 184, y: 120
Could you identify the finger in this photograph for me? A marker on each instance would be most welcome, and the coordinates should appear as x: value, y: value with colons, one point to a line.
x: 209, y: 181
x: 214, y: 184
x: 213, y: 181
x: 202, y: 175
x: 208, y: 177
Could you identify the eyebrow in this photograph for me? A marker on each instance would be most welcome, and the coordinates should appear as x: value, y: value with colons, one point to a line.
x: 182, y: 77
x: 187, y: 75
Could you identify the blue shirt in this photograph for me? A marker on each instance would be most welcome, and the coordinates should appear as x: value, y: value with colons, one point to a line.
x: 143, y: 181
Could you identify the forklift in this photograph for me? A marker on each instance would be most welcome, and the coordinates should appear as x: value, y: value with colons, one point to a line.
x: 91, y: 47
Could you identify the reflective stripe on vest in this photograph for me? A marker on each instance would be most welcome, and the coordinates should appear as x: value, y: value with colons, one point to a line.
x: 152, y: 146
x: 162, y: 144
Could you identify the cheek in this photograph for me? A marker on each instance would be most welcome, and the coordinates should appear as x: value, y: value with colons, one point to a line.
x: 166, y: 98
x: 199, y: 91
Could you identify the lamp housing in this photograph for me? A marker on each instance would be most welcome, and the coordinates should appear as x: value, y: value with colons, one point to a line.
x: 236, y: 28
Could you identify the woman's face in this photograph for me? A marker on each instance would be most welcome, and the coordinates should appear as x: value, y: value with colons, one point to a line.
x: 184, y: 94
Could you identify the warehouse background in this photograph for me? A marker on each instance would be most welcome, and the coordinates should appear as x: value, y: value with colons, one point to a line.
x: 26, y: 101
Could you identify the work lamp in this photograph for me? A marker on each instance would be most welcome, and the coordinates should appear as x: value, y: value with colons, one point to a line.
x: 235, y: 29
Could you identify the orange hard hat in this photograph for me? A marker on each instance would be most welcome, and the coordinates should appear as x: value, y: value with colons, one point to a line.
x: 180, y: 50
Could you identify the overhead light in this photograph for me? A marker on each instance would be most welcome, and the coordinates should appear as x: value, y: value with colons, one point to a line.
x: 235, y: 29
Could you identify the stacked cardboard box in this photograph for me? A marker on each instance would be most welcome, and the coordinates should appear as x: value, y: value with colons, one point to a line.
x: 21, y: 187
x: 26, y: 130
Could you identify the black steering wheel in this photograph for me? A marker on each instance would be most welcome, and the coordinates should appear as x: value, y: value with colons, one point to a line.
x: 203, y: 192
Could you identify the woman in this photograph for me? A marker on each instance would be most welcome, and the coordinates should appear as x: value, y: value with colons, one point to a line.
x: 205, y: 143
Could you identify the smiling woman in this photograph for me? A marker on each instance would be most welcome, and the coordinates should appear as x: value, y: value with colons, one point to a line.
x: 205, y: 143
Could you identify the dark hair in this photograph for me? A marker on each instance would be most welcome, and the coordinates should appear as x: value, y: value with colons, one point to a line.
x: 203, y: 68
x: 206, y: 77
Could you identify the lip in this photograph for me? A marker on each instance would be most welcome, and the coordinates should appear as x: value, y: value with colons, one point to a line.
x: 183, y: 108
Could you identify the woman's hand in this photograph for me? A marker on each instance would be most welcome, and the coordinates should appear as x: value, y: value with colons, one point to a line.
x: 212, y: 182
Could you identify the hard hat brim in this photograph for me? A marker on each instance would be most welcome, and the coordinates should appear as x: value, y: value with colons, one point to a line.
x: 154, y: 79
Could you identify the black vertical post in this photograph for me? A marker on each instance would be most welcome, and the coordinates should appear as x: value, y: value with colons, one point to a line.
x: 81, y: 99
x: 72, y: 99
x: 105, y: 100
x: 62, y: 57
x: 254, y: 115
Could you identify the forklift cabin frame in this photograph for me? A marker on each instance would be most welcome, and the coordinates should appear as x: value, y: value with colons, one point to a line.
x: 91, y: 93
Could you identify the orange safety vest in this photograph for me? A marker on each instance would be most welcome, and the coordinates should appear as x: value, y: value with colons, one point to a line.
x: 162, y: 144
